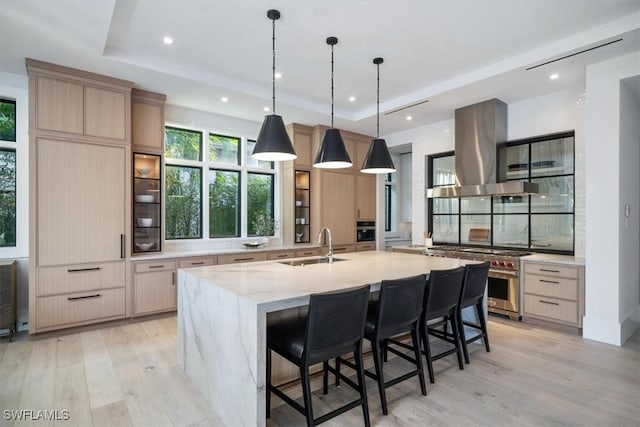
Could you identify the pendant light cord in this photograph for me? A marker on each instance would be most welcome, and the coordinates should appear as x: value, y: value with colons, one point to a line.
x: 273, y: 68
x: 332, y: 85
x: 378, y: 105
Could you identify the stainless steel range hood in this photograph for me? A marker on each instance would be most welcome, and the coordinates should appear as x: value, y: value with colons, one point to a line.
x: 479, y: 128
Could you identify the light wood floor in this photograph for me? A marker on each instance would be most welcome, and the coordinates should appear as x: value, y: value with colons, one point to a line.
x: 127, y: 375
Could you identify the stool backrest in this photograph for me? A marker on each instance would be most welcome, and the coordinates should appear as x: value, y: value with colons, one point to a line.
x: 475, y: 283
x: 400, y: 304
x: 335, y: 323
x: 443, y: 292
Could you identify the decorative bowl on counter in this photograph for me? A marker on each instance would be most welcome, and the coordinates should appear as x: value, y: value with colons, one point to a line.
x: 252, y: 245
x: 145, y: 198
x: 144, y: 246
x: 144, y: 222
x: 143, y: 172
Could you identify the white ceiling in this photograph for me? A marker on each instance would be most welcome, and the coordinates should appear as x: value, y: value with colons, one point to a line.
x: 451, y: 53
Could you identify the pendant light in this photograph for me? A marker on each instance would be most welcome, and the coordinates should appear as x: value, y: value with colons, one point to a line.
x: 273, y: 143
x: 332, y: 153
x: 378, y: 159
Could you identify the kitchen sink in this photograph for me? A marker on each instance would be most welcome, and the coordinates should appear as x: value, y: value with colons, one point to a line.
x: 309, y: 261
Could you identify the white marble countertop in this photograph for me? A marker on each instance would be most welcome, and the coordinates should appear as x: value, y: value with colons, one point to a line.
x: 275, y: 286
x: 222, y: 251
x: 556, y: 259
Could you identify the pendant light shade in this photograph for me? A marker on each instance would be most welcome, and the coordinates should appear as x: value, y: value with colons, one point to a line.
x: 378, y: 159
x: 332, y: 153
x: 273, y: 143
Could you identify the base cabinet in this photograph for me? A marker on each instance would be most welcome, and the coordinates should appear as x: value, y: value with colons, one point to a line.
x: 155, y: 287
x: 554, y: 292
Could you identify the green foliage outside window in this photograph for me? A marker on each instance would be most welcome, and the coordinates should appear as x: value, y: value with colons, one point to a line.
x: 7, y: 120
x: 7, y: 197
x: 260, y: 205
x: 182, y: 144
x: 182, y: 211
x: 224, y: 203
x: 224, y: 149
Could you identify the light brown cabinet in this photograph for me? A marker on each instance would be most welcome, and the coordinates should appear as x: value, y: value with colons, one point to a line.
x: 338, y: 214
x: 366, y: 197
x: 554, y: 292
x: 79, y: 192
x: 301, y: 138
x: 147, y: 120
x: 155, y: 287
x: 242, y: 257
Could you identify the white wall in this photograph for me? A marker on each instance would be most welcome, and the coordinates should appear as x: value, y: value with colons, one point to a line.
x: 608, y: 276
x: 14, y: 86
x: 551, y: 113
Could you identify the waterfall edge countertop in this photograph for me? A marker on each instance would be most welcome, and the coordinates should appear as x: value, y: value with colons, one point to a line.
x: 222, y: 318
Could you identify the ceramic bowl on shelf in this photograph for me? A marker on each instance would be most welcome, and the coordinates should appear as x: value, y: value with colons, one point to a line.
x: 143, y: 172
x: 144, y: 222
x: 144, y: 246
x: 145, y: 198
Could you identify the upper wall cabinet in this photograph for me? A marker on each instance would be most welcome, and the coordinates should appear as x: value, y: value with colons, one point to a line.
x: 301, y: 138
x: 147, y: 120
x: 79, y: 103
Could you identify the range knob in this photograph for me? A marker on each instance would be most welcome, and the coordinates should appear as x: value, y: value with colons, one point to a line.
x: 494, y: 263
x: 501, y: 263
x: 510, y: 264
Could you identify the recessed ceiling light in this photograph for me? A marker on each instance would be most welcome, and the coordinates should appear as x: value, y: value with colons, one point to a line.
x: 266, y: 109
x: 278, y: 75
x: 224, y: 99
x: 554, y: 76
x: 352, y: 98
x: 167, y: 40
x: 408, y: 117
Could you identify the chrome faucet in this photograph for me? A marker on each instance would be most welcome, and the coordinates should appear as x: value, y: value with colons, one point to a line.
x: 330, y: 253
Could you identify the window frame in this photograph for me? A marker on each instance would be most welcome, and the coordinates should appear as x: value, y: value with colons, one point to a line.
x: 206, y: 165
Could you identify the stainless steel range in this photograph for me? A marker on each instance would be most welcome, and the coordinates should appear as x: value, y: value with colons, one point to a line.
x: 504, y: 275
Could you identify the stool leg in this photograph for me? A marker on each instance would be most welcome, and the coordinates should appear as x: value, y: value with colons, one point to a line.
x: 463, y: 338
x: 415, y: 339
x: 362, y: 385
x: 268, y: 382
x: 306, y: 393
x: 337, y: 372
x: 456, y: 337
x: 325, y: 377
x: 483, y: 324
x: 377, y: 360
x: 427, y: 351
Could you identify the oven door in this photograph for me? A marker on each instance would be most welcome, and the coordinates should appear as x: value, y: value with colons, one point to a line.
x: 504, y: 293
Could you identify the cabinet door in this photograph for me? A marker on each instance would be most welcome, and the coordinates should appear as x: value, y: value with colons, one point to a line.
x: 362, y: 148
x: 302, y: 144
x: 81, y: 202
x: 338, y: 208
x: 59, y: 105
x: 155, y: 291
x: 105, y: 113
x: 366, y: 197
x: 147, y: 124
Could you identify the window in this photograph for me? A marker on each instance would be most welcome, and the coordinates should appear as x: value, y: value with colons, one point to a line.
x: 544, y: 221
x: 214, y: 190
x: 7, y: 173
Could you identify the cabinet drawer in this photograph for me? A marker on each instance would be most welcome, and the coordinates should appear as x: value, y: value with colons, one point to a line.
x: 162, y: 265
x: 79, y: 278
x: 80, y: 307
x: 341, y: 249
x: 365, y: 247
x: 551, y: 270
x: 197, y: 262
x: 307, y: 252
x: 237, y: 258
x: 551, y: 308
x: 281, y: 255
x: 558, y: 287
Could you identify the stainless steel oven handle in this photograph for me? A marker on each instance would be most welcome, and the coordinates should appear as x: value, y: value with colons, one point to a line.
x: 503, y: 274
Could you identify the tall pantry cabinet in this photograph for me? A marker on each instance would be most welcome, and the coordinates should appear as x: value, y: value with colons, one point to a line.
x: 79, y: 191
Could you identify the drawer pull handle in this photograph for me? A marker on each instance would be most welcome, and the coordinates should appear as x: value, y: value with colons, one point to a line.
x: 84, y: 297
x: 243, y: 259
x: 78, y: 270
x: 550, y: 281
x: 307, y: 253
x: 173, y: 278
x: 197, y: 263
x: 548, y: 302
x: 156, y: 266
x: 549, y: 271
x: 283, y: 256
x: 339, y: 249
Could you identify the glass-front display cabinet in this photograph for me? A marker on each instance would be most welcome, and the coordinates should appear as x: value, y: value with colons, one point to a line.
x: 147, y: 197
x: 302, y: 205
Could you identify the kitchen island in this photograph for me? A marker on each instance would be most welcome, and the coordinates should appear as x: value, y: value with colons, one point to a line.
x: 222, y: 318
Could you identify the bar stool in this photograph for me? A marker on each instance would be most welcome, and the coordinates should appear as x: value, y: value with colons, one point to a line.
x: 396, y: 312
x: 441, y: 302
x: 333, y: 326
x: 475, y: 283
